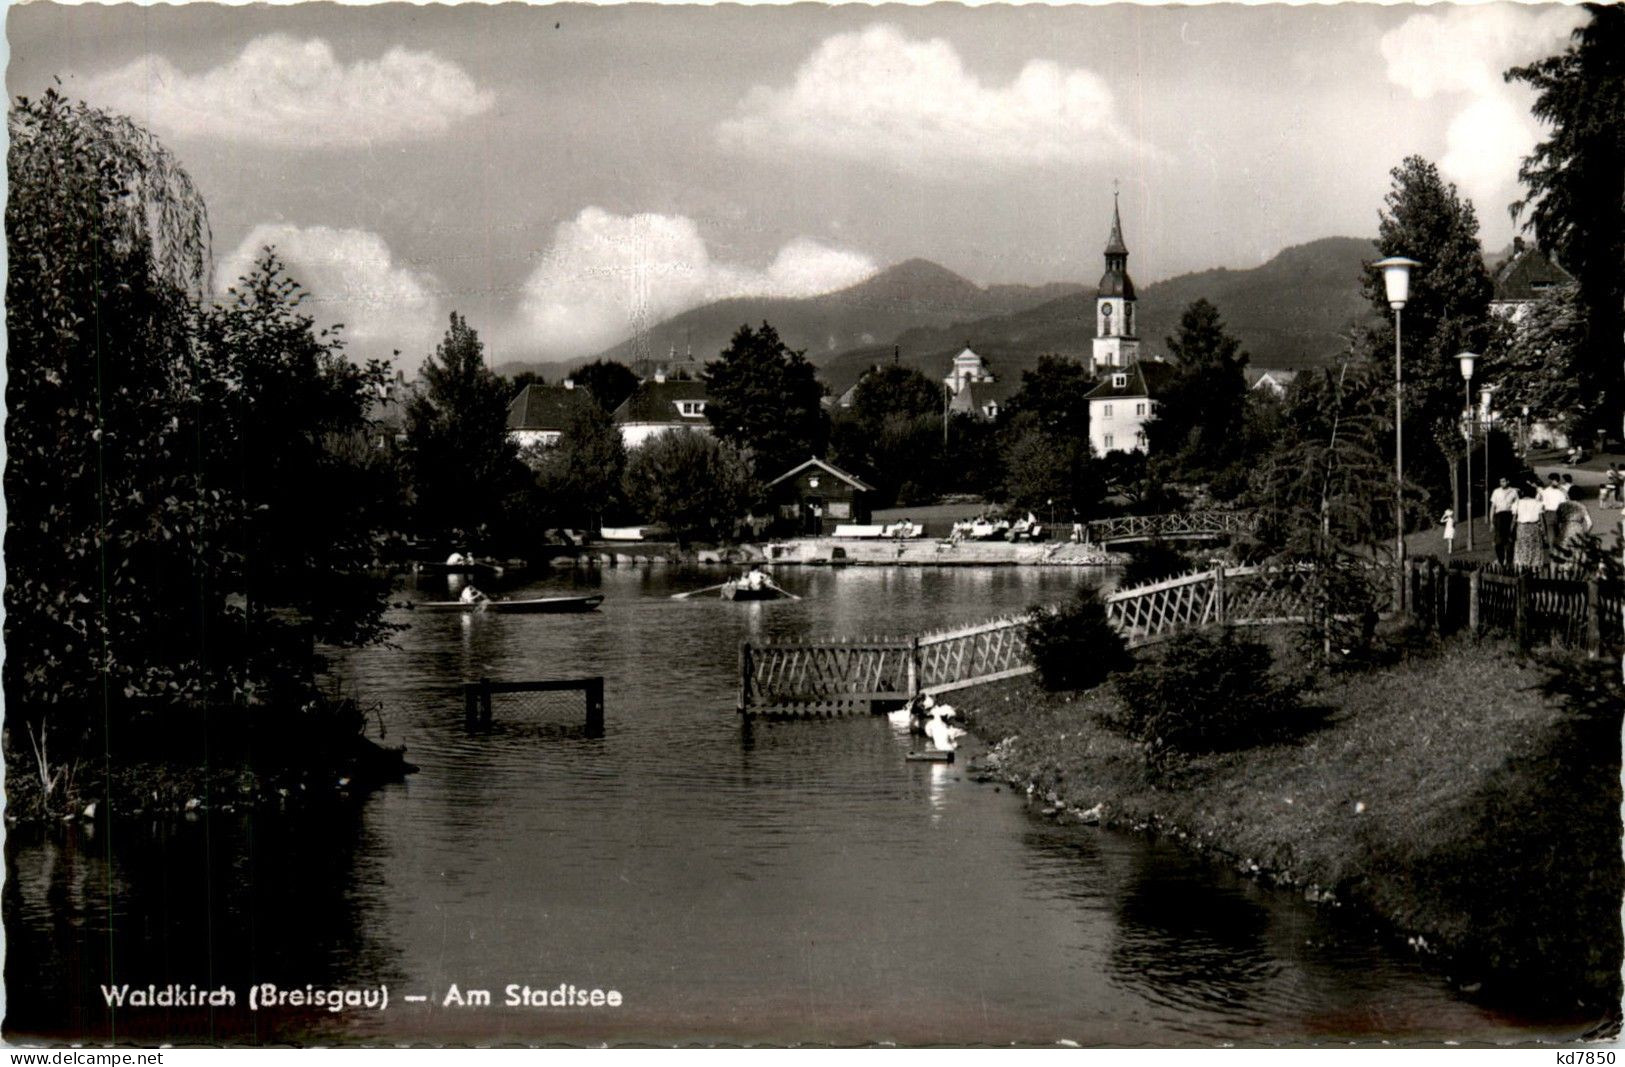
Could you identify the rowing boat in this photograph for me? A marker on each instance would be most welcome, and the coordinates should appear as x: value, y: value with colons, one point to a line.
x: 535, y: 605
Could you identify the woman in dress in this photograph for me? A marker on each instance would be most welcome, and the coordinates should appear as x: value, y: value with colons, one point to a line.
x: 1529, y: 544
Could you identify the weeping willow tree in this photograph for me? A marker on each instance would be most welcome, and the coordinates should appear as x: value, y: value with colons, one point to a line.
x: 159, y: 452
x: 1327, y: 493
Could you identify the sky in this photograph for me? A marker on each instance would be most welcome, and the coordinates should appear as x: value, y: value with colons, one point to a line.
x: 559, y: 173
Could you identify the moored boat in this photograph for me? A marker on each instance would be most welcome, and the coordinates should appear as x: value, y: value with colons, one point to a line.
x: 531, y: 606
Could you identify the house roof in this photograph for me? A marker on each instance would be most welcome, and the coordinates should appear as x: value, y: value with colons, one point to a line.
x: 1527, y: 274
x: 835, y: 472
x: 654, y: 401
x: 1146, y: 377
x: 543, y: 407
x: 974, y: 396
x: 1283, y: 378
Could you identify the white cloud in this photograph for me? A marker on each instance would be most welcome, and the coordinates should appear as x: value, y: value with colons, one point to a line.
x: 584, y: 294
x: 882, y: 97
x: 352, y: 278
x: 1463, y: 52
x: 296, y: 94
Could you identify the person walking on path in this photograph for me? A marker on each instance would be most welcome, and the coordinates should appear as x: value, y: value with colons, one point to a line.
x: 1551, y: 498
x: 1529, y: 545
x: 1501, y: 502
x: 1613, y: 481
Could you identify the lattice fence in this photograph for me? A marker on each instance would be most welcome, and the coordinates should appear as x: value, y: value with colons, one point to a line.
x: 828, y: 672
x: 1179, y: 524
x: 958, y: 658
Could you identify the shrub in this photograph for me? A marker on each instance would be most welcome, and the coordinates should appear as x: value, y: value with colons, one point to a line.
x: 1208, y: 690
x: 1152, y: 561
x: 1073, y: 645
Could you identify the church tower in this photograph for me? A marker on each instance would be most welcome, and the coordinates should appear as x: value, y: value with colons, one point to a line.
x: 1116, y: 343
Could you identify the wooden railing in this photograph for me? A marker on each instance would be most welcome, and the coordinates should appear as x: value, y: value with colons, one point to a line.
x: 1549, y: 606
x: 831, y: 677
x: 1178, y: 525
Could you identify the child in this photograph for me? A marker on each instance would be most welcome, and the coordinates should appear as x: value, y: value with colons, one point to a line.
x: 1449, y: 521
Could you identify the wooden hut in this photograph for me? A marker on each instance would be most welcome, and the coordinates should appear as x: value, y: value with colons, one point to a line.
x: 814, y: 498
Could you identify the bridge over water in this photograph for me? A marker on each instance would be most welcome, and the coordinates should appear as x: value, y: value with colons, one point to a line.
x: 1207, y: 525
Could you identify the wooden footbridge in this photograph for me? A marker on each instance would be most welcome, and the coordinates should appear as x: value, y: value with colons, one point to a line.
x: 1208, y: 525
x: 794, y: 679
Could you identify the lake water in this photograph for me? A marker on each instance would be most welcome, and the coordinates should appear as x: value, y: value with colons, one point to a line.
x: 788, y: 883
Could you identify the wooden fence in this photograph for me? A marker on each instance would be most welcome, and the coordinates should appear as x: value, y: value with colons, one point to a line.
x: 802, y: 678
x: 1549, y: 606
x: 796, y: 678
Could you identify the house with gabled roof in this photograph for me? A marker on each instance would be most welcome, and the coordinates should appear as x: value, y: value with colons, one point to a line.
x: 814, y: 497
x: 660, y: 405
x: 1123, y: 402
x: 538, y: 414
x: 1527, y: 275
x: 1269, y: 379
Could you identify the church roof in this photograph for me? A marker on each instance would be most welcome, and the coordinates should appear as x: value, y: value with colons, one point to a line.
x: 1114, y: 243
x: 1143, y: 377
x: 1116, y: 283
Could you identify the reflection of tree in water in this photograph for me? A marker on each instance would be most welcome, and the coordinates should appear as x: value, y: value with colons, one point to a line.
x: 268, y: 898
x: 1182, y: 938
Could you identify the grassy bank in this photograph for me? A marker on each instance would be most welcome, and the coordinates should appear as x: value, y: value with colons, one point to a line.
x: 147, y: 784
x: 1455, y: 796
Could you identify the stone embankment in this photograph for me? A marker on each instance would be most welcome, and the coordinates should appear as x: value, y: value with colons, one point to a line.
x: 828, y: 551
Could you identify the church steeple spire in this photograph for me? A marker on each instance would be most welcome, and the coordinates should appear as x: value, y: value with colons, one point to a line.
x: 1114, y: 244
x: 1116, y: 341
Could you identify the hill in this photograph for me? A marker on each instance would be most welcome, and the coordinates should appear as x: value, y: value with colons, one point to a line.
x: 913, y: 293
x: 1290, y: 312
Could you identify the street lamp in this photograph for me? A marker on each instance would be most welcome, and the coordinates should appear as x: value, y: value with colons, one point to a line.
x: 1466, y: 360
x: 1396, y: 281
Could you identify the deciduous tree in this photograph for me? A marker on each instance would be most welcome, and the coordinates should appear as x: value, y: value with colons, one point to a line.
x: 764, y: 398
x: 464, y: 469
x: 697, y: 485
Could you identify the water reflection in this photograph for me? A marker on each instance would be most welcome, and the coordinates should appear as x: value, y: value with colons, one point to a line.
x: 220, y: 900
x: 796, y: 881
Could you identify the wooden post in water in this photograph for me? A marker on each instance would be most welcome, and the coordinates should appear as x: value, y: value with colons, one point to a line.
x: 471, y: 707
x: 744, y: 676
x: 485, y: 703
x: 595, y: 706
x: 913, y: 685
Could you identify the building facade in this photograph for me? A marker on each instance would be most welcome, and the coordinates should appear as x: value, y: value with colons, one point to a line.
x: 1123, y: 402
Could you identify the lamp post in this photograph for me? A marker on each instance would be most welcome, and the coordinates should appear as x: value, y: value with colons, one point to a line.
x: 1470, y: 422
x: 1396, y: 282
x: 1486, y: 393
